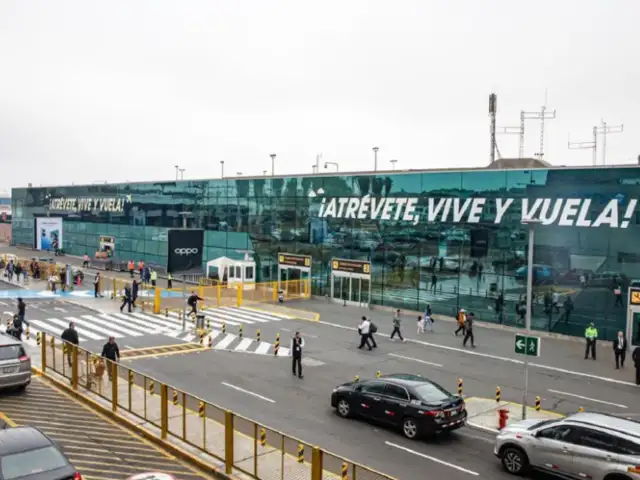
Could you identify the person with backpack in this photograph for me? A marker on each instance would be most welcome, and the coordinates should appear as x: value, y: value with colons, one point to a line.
x: 364, y: 329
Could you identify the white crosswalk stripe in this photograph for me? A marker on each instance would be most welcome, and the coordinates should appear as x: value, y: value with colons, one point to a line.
x: 231, y: 342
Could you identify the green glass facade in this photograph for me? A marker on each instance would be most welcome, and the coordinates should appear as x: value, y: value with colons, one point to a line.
x: 463, y: 227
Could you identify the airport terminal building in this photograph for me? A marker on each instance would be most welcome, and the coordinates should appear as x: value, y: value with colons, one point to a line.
x: 448, y: 239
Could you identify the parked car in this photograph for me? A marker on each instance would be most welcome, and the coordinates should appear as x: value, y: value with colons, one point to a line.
x: 411, y: 403
x: 27, y: 453
x: 15, y: 364
x: 542, y: 274
x: 608, y: 279
x: 594, y: 446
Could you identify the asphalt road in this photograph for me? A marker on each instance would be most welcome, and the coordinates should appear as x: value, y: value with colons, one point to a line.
x: 262, y: 388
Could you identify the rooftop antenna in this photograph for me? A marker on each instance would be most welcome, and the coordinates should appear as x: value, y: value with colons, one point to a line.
x: 542, y: 115
x: 592, y: 145
x: 605, y: 130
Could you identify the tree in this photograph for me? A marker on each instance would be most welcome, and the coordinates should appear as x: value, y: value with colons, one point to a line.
x: 388, y: 183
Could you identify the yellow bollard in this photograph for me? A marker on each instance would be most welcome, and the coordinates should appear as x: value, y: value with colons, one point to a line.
x: 38, y: 338
x: 130, y: 377
x: 497, y: 394
x: 276, y: 346
x: 210, y: 341
x: 300, y: 453
x: 537, y: 404
x: 345, y: 471
x: 201, y: 409
x: 28, y: 333
x: 258, y: 335
x: 166, y: 312
x: 179, y: 315
x: 356, y: 378
x: 580, y: 410
x: 378, y: 374
x: 152, y: 387
x: 202, y: 338
x: 208, y: 324
x: 224, y: 327
x: 263, y: 437
x: 240, y: 333
x: 175, y: 397
x: 459, y: 387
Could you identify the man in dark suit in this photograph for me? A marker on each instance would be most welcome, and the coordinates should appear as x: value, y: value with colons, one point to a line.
x: 636, y: 360
x: 620, y: 348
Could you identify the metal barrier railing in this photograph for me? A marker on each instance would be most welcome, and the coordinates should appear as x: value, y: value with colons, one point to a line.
x: 240, y: 443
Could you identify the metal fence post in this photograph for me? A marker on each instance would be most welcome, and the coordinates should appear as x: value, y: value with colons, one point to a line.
x: 114, y: 386
x: 164, y: 411
x: 43, y: 352
x: 74, y: 367
x: 316, y: 464
x: 228, y: 442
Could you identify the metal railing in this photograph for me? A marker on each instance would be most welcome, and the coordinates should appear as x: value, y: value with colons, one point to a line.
x: 240, y: 443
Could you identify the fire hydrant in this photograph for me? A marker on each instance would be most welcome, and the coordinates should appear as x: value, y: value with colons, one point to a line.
x: 503, y: 416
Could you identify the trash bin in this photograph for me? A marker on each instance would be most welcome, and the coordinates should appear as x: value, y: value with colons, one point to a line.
x: 200, y: 321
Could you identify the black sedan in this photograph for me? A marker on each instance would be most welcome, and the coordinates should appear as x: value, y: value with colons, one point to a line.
x: 26, y: 452
x: 412, y: 403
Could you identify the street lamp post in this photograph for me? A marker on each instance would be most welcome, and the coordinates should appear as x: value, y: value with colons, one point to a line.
x: 527, y: 325
x: 177, y: 167
x: 182, y: 173
x: 273, y: 164
x: 375, y: 158
x: 393, y: 164
x: 221, y: 168
x: 335, y: 164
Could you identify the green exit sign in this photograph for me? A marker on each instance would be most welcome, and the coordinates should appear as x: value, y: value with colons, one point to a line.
x: 527, y: 345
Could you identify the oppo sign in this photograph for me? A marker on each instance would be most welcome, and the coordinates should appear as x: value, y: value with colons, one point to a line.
x: 186, y: 251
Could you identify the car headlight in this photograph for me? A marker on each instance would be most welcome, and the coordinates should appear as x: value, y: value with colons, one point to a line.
x: 335, y: 390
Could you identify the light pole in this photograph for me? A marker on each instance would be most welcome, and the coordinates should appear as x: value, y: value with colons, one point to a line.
x: 177, y: 167
x: 335, y: 164
x: 527, y: 325
x: 264, y: 173
x: 239, y: 174
x: 221, y: 168
x: 393, y: 164
x: 273, y: 164
x: 375, y: 158
x: 182, y: 173
x: 184, y: 278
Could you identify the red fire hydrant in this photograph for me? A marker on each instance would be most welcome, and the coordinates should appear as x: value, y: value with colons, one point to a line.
x: 503, y: 416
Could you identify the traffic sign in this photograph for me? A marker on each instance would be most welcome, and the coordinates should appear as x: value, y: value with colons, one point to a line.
x: 527, y: 345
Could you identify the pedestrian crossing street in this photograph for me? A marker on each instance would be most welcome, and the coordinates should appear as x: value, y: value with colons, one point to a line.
x: 101, y: 325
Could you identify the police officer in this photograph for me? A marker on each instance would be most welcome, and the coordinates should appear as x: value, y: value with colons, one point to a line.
x: 297, y: 344
x: 591, y: 336
x: 111, y: 352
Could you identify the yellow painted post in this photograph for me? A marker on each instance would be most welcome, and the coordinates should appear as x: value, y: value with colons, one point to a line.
x: 263, y: 437
x: 239, y: 295
x: 43, y: 352
x: 498, y: 394
x: 344, y: 474
x: 300, y: 453
x: 224, y: 327
x: 152, y: 387
x: 74, y: 367
x: 114, y: 292
x: 274, y: 289
x: 218, y: 295
x: 316, y: 464
x: 175, y: 397
x: 258, y: 335
x: 157, y: 300
x: 276, y: 346
x: 164, y: 411
x: 378, y: 374
x: 201, y: 291
x: 228, y: 442
x: 537, y: 404
x: 114, y: 386
x: 459, y: 387
x: 240, y: 331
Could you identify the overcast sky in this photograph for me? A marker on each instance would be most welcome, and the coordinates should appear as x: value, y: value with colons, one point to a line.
x: 124, y: 90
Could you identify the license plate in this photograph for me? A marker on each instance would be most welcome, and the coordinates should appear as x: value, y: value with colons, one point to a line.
x: 454, y: 413
x: 8, y: 369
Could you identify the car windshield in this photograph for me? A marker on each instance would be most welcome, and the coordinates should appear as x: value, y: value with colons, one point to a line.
x: 432, y: 393
x: 32, y: 462
x: 541, y: 424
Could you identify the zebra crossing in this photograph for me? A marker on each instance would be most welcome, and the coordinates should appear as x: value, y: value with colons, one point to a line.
x: 218, y: 320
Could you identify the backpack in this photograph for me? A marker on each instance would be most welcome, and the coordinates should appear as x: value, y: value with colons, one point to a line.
x: 373, y: 328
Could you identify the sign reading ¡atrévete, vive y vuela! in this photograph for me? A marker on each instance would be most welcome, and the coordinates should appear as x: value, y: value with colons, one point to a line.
x: 89, y: 204
x: 359, y: 267
x: 292, y: 260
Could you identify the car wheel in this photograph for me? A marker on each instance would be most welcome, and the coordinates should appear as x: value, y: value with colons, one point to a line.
x: 410, y: 428
x: 514, y: 460
x: 344, y: 408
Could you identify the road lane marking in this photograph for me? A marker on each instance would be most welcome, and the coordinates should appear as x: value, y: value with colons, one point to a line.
x: 587, y: 398
x: 496, y: 357
x: 414, y: 360
x: 248, y: 392
x: 433, y: 459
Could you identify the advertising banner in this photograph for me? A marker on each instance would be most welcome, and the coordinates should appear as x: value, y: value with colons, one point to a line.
x: 48, y: 233
x: 185, y: 251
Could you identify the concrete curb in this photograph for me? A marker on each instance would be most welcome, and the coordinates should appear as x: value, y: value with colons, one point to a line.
x: 139, y: 429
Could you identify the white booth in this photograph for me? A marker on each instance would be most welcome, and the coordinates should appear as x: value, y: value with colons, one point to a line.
x: 234, y: 271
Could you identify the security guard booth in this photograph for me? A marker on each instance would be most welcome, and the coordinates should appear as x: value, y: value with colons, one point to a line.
x: 351, y: 282
x: 633, y: 317
x: 294, y: 274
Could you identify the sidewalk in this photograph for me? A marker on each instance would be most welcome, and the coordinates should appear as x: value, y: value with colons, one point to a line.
x: 208, y: 432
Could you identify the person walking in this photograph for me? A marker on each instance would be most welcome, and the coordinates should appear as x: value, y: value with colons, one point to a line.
x: 591, y: 336
x: 154, y: 278
x: 169, y: 281
x: 636, y: 362
x: 126, y: 298
x: 620, y: 350
x: 135, y: 286
x: 70, y: 335
x: 396, y: 326
x: 192, y: 301
x: 131, y: 267
x: 297, y: 344
x: 568, y: 308
x: 434, y: 282
x: 96, y: 286
x: 19, y: 319
x: 363, y: 330
x: 617, y: 292
x: 420, y: 324
x: 461, y: 322
x: 428, y: 319
x: 468, y: 330
x: 111, y: 352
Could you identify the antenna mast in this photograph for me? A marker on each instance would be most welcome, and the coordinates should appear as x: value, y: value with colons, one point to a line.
x: 542, y: 115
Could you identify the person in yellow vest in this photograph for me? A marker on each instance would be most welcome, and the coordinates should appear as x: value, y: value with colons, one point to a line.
x: 462, y: 317
x: 591, y: 335
x: 169, y: 281
x: 154, y: 278
x: 131, y: 267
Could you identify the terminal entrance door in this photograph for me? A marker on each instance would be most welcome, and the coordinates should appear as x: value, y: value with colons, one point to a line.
x: 633, y: 317
x: 294, y: 274
x: 351, y: 282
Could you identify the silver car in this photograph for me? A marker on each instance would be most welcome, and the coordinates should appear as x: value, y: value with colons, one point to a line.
x: 15, y: 364
x: 592, y: 446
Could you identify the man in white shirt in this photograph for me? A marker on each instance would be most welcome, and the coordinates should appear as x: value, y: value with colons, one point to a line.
x: 364, y: 329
